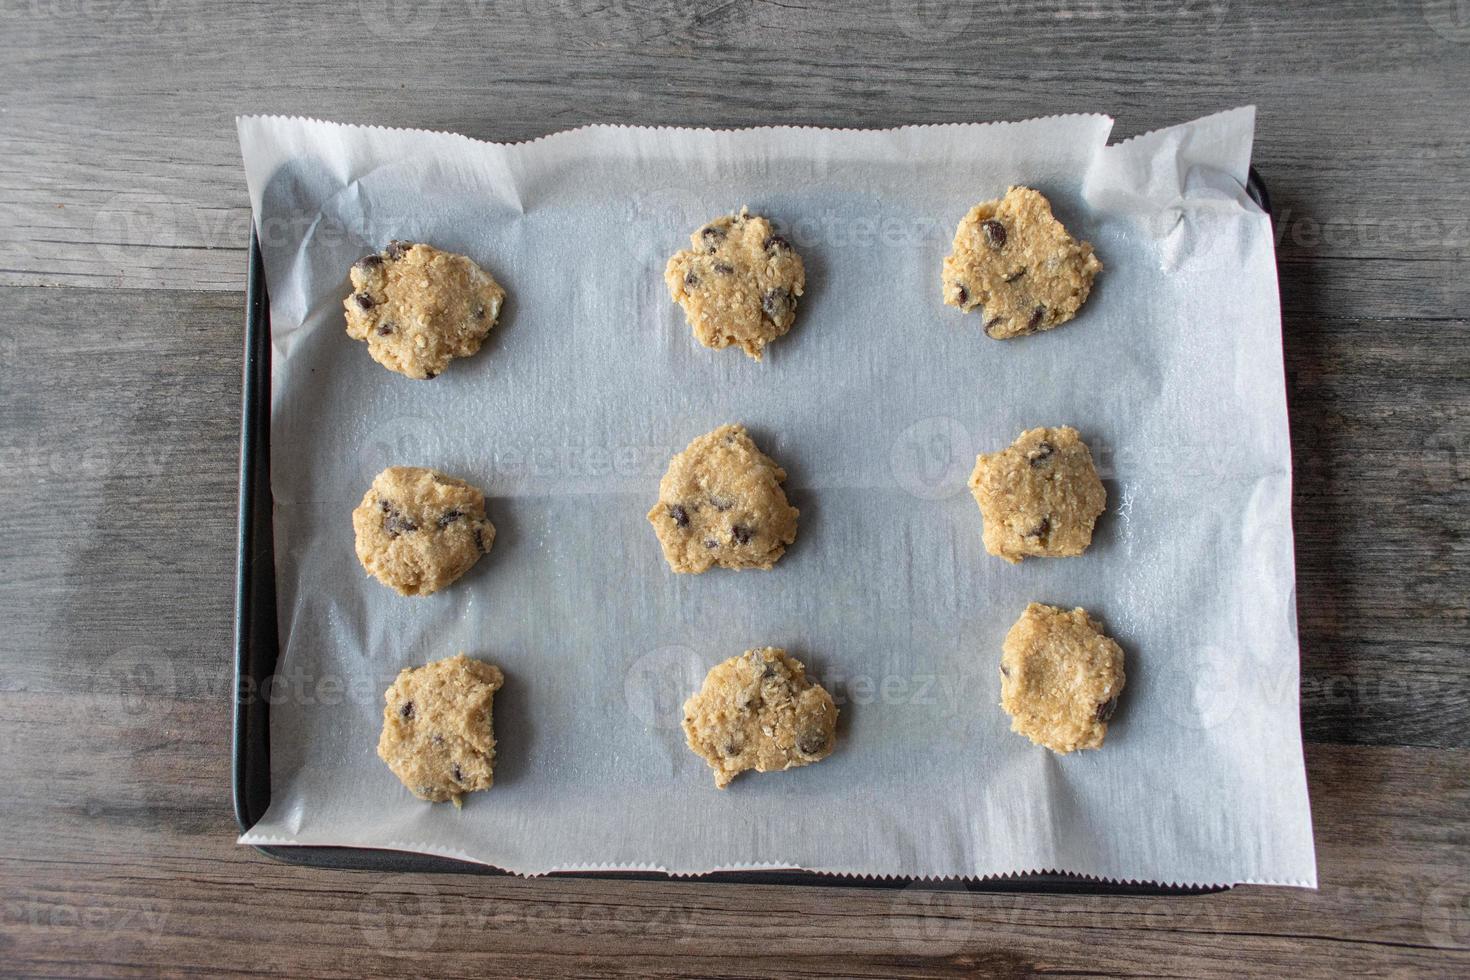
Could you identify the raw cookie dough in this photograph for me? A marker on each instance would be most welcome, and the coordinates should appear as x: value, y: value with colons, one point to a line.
x: 758, y: 711
x: 738, y: 284
x: 721, y: 503
x: 1041, y: 496
x: 418, y: 530
x: 418, y: 308
x: 437, y: 733
x: 1014, y: 258
x: 1060, y: 677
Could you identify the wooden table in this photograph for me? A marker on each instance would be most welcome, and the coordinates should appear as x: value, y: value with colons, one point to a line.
x: 123, y: 221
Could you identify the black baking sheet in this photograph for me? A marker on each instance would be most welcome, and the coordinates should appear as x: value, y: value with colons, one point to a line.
x: 256, y: 649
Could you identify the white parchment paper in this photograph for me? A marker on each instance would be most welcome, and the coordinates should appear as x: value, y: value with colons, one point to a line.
x: 876, y: 403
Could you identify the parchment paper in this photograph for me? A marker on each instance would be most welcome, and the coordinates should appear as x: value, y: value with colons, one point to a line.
x: 876, y: 403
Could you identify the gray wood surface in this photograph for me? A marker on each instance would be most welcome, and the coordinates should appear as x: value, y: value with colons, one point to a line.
x: 119, y: 395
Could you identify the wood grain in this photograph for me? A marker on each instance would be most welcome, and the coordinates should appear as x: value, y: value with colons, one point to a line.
x: 119, y: 400
x: 125, y: 180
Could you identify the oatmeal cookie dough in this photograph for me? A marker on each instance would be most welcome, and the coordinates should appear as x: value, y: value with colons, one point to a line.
x: 738, y: 284
x: 1060, y: 677
x: 419, y: 308
x: 721, y: 503
x: 758, y: 711
x: 1015, y: 259
x: 437, y: 733
x: 419, y: 530
x: 1039, y: 497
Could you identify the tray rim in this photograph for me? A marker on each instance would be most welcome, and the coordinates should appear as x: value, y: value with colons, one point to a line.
x: 255, y: 615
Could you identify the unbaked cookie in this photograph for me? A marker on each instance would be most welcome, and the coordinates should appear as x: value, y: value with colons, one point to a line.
x: 418, y: 530
x: 1039, y: 497
x: 418, y: 308
x: 738, y: 284
x: 721, y: 503
x: 1015, y: 259
x: 1060, y: 677
x: 437, y: 732
x: 758, y: 711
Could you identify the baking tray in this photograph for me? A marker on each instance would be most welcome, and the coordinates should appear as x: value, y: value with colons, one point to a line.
x: 257, y: 646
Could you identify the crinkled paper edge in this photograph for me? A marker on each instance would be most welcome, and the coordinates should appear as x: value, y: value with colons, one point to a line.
x: 858, y: 878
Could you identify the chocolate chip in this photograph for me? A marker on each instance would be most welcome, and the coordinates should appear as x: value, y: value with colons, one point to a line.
x: 1106, y: 709
x: 1043, y: 452
x: 436, y: 738
x: 396, y: 523
x: 450, y: 517
x: 994, y: 232
x: 1041, y: 530
x: 778, y: 304
x: 690, y: 279
x: 961, y: 294
x: 1037, y: 315
x: 770, y: 671
x: 721, y: 504
x: 811, y: 742
x: 363, y: 301
x: 479, y: 313
x: 396, y: 249
x: 480, y: 541
x: 406, y: 710
x: 741, y: 534
x: 992, y: 323
x: 731, y: 747
x: 776, y: 243
x: 711, y: 543
x: 458, y: 776
x: 369, y: 262
x: 430, y: 375
x: 386, y: 327
x: 680, y: 515
x: 1012, y: 277
x: 724, y: 268
x: 712, y: 236
x: 384, y: 506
